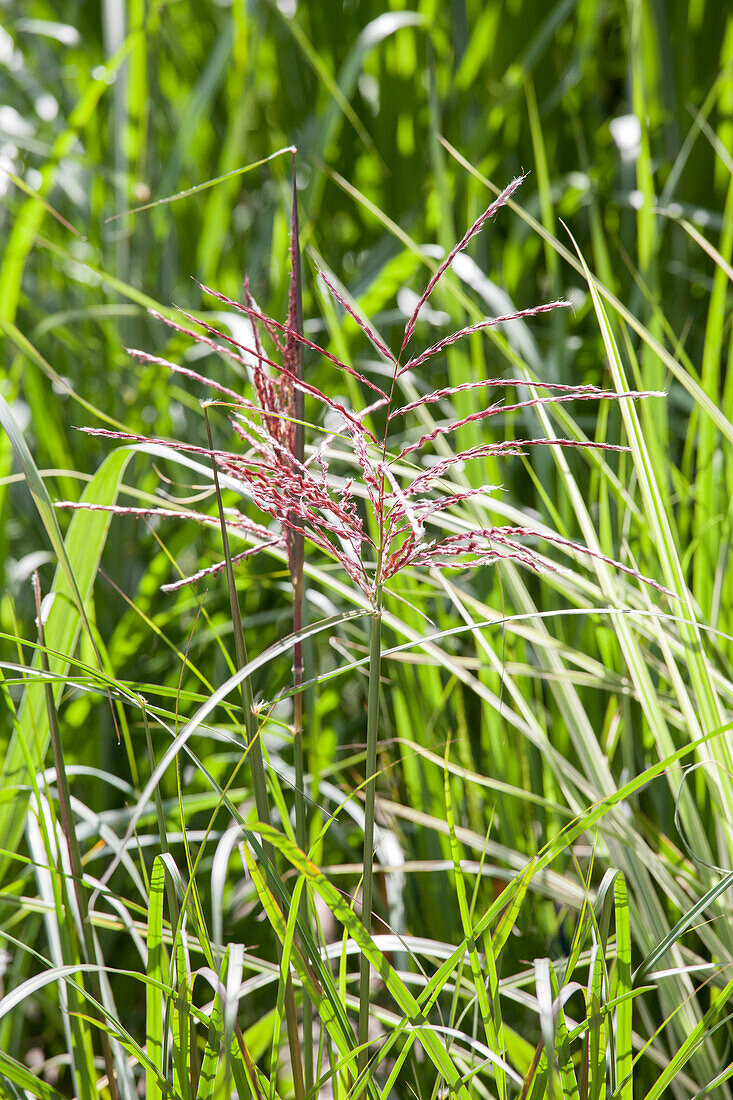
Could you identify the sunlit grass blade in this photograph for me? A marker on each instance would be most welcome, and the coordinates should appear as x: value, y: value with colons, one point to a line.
x: 14, y: 1073
x: 708, y: 503
x: 185, y: 1075
x: 203, y: 186
x: 693, y: 913
x: 623, y: 1053
x: 430, y: 1040
x: 692, y: 1043
x: 158, y: 972
x: 78, y: 556
x: 479, y: 981
x: 563, y: 1053
x: 27, y: 349
x: 595, y: 1041
x: 706, y: 695
x: 285, y: 963
x: 375, y: 653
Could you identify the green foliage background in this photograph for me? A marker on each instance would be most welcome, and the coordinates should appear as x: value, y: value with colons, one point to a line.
x: 402, y: 117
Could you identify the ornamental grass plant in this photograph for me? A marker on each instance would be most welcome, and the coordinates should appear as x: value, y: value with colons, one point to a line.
x: 373, y: 501
x: 367, y: 728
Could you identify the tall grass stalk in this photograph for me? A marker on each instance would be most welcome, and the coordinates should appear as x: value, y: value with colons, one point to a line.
x: 293, y: 356
x: 375, y: 664
x: 259, y: 781
x: 87, y: 945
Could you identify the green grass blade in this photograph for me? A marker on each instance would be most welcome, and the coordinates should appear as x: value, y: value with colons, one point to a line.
x: 158, y: 972
x: 662, y: 532
x: 73, y: 584
x: 681, y: 926
x: 694, y: 1040
x: 432, y: 1043
x: 624, y: 1012
x: 479, y: 981
x: 15, y: 1073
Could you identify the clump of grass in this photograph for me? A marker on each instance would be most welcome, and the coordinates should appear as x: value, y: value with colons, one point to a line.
x: 376, y: 524
x: 574, y: 708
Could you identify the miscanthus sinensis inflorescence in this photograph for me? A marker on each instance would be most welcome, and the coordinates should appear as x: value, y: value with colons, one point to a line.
x: 404, y: 496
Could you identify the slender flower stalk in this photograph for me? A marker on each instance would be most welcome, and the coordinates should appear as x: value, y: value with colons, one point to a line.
x: 293, y: 360
x: 257, y: 765
x: 375, y: 664
x: 406, y: 501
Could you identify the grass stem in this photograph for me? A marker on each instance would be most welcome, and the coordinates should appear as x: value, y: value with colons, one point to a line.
x: 375, y: 660
x: 259, y: 782
x: 296, y: 555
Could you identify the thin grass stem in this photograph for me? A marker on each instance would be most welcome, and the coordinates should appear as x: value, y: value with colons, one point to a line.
x: 375, y: 660
x: 257, y: 765
x: 87, y: 945
x: 296, y: 556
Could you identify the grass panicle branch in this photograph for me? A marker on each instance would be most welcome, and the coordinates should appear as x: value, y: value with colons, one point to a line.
x: 477, y: 226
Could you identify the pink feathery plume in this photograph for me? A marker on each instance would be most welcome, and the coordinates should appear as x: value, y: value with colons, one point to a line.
x: 486, y: 383
x: 365, y: 328
x: 492, y: 410
x: 255, y: 314
x: 475, y: 228
x: 491, y: 322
